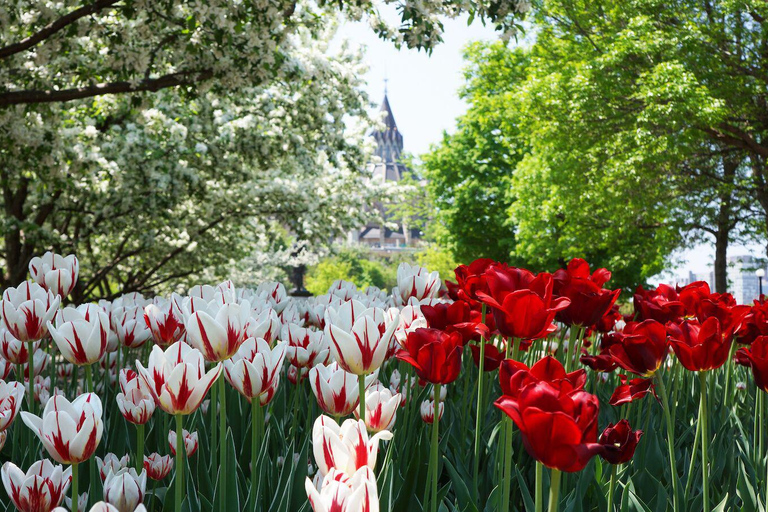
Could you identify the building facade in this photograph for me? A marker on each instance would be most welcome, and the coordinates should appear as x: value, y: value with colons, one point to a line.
x: 387, y: 165
x: 743, y: 282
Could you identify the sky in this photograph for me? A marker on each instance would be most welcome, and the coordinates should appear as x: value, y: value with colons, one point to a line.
x: 423, y: 93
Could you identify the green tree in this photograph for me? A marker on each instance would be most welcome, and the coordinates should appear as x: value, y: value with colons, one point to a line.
x: 470, y: 171
x: 644, y: 123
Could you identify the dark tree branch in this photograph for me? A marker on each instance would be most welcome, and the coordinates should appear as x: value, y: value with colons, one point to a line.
x: 54, y: 27
x: 77, y: 93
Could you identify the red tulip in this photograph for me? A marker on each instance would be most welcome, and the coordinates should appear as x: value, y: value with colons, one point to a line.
x: 630, y: 390
x: 457, y: 317
x: 515, y: 376
x: 608, y: 321
x: 603, y: 361
x: 643, y: 347
x: 620, y: 442
x: 702, y: 304
x: 558, y: 428
x: 756, y: 357
x: 661, y: 304
x: 755, y: 323
x: 589, y: 300
x: 436, y: 355
x: 470, y: 279
x: 522, y: 303
x: 700, y: 347
x: 493, y: 356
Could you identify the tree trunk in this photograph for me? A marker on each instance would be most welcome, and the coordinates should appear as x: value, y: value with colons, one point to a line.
x: 721, y: 261
x: 724, y: 224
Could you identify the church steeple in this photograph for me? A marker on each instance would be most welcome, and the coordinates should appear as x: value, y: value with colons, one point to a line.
x: 389, y: 140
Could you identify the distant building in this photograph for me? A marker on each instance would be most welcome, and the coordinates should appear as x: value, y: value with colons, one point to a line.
x: 742, y: 281
x: 389, y: 166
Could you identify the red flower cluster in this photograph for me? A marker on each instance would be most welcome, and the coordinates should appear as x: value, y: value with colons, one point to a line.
x: 589, y: 301
x: 456, y: 317
x: 523, y: 304
x: 436, y: 355
x: 756, y: 357
x: 662, y: 304
x: 557, y: 418
x: 755, y: 323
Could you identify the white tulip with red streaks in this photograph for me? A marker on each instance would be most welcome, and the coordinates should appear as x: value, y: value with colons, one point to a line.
x: 415, y: 283
x: 41, y: 488
x: 12, y: 349
x: 124, y: 489
x: 11, y: 395
x: 359, y: 336
x: 27, y: 309
x: 337, y: 391
x: 380, y: 409
x: 254, y: 370
x: 306, y: 347
x: 217, y: 330
x: 177, y: 378
x: 136, y: 404
x: 346, y: 447
x: 165, y: 320
x: 111, y: 462
x: 340, y: 492
x: 81, y: 334
x: 55, y: 272
x: 69, y: 431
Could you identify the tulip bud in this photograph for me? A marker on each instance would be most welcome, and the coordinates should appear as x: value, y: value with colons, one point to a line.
x: 427, y: 411
x: 158, y: 466
x: 82, y: 503
x: 380, y: 409
x: 125, y: 489
x: 190, y: 442
x: 11, y: 395
x: 110, y: 462
x: 135, y: 404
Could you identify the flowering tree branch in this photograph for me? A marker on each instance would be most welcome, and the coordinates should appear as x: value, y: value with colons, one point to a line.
x: 77, y: 93
x: 54, y: 27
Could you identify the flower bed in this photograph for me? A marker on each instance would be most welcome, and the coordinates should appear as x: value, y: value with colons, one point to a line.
x: 501, y: 391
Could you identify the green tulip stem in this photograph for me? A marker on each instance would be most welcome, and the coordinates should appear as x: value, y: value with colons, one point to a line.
x: 670, y: 438
x: 573, y: 340
x: 88, y: 378
x: 480, y: 408
x: 180, y: 456
x: 612, y: 487
x: 554, y: 490
x: 361, y: 391
x: 694, y: 454
x: 75, y: 481
x: 214, y: 430
x: 223, y: 441
x: 139, y: 448
x: 539, y: 497
x: 31, y: 374
x: 257, y: 425
x: 704, y: 439
x: 434, y: 448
